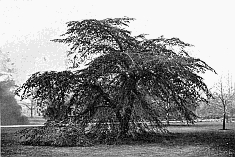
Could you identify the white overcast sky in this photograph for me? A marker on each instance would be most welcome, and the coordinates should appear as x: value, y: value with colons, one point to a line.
x: 26, y: 28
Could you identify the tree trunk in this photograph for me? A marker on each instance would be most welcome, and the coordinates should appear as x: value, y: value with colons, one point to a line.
x: 126, y: 117
x: 124, y: 123
x: 224, y: 121
x: 167, y: 113
x: 167, y: 119
x: 31, y: 111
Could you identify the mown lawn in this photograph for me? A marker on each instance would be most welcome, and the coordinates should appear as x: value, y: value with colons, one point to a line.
x: 201, y: 139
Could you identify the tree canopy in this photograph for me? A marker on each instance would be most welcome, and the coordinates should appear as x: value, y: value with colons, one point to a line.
x: 126, y: 79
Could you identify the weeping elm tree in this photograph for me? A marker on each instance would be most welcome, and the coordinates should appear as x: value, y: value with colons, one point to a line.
x: 127, y: 79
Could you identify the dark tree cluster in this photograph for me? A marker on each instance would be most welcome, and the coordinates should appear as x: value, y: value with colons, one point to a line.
x: 127, y: 83
x: 10, y: 109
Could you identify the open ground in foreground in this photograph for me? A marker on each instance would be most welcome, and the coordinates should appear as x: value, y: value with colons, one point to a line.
x: 201, y: 139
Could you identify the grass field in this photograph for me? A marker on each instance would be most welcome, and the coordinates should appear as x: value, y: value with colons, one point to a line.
x: 201, y: 139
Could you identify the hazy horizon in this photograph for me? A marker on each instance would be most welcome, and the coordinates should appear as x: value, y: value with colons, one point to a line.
x: 28, y: 27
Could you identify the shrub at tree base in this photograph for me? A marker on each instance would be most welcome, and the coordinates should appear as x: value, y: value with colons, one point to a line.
x: 58, y: 134
x: 53, y: 136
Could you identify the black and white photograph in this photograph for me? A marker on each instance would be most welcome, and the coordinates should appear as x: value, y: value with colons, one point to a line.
x: 117, y: 78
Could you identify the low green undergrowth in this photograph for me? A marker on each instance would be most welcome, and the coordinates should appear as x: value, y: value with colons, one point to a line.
x: 53, y: 135
x: 57, y: 134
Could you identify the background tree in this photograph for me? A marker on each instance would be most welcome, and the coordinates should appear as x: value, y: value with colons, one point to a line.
x: 30, y: 106
x: 224, y: 98
x: 121, y: 70
x: 6, y: 65
x: 10, y: 110
x: 215, y: 108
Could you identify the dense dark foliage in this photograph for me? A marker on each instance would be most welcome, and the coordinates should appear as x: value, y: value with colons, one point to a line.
x: 127, y: 80
x: 53, y: 134
x: 51, y: 90
x: 10, y: 109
